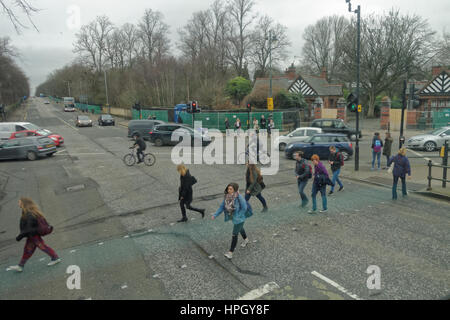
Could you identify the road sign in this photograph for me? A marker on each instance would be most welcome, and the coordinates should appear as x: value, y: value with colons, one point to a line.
x: 270, y: 104
x: 359, y: 108
x: 442, y: 153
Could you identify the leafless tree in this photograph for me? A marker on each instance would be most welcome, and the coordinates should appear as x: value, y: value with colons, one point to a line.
x: 153, y: 33
x: 85, y: 46
x: 261, y: 51
x: 10, y: 8
x: 130, y: 38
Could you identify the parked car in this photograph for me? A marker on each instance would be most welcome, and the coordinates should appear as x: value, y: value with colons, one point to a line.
x: 106, y: 120
x: 430, y: 141
x: 83, y: 121
x: 29, y: 148
x: 57, y: 139
x: 320, y: 145
x: 162, y: 134
x: 142, y: 127
x: 298, y: 135
x: 8, y: 128
x: 337, y: 126
x: 46, y: 102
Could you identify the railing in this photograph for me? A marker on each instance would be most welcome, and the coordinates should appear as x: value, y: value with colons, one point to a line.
x: 444, y: 166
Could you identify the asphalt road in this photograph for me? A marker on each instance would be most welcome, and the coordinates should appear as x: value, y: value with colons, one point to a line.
x: 117, y: 224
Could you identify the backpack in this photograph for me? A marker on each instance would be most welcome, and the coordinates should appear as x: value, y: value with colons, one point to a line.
x: 193, y: 180
x: 309, y: 176
x: 377, y: 146
x: 341, y: 159
x: 43, y: 227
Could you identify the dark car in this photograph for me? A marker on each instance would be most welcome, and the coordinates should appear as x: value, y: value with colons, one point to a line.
x: 27, y: 148
x: 106, y: 120
x: 142, y: 127
x: 83, y: 121
x: 337, y: 126
x: 320, y: 144
x: 162, y: 134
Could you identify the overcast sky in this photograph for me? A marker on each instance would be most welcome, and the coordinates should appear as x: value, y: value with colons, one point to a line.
x: 51, y: 47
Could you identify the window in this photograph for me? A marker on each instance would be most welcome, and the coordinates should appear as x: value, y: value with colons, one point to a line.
x: 339, y: 124
x: 20, y: 128
x: 20, y: 135
x: 298, y: 133
x: 311, y: 132
x: 317, y: 124
x: 5, y: 128
x: 447, y: 133
x: 327, y: 124
x: 320, y: 139
x: 26, y: 142
x: 11, y: 144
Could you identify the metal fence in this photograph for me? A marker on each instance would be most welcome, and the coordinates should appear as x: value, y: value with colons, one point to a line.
x: 423, y: 120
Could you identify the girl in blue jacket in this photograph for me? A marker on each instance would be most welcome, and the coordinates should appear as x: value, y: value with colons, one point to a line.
x: 235, y: 208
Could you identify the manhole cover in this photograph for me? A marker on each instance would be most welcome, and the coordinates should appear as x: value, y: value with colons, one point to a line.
x: 75, y: 188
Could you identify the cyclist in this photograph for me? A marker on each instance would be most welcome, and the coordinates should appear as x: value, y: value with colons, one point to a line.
x: 140, y: 143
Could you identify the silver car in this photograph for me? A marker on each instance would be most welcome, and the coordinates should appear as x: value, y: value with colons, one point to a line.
x: 430, y: 141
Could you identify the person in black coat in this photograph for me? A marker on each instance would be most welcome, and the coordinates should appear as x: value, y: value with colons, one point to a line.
x: 185, y: 192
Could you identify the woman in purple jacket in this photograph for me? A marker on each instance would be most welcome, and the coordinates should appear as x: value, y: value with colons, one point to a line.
x: 321, y: 179
x: 401, y: 168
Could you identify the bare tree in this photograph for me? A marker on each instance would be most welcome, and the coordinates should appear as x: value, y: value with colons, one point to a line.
x: 130, y: 38
x: 240, y: 33
x: 10, y: 7
x: 392, y: 47
x: 322, y: 47
x: 153, y: 34
x: 261, y: 50
x: 101, y: 28
x: 85, y: 46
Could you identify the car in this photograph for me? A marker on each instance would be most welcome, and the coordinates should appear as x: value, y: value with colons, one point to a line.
x: 29, y: 148
x: 162, y: 134
x: 430, y: 141
x: 299, y: 134
x: 8, y: 128
x: 106, y: 120
x: 46, y: 102
x: 142, y: 128
x: 320, y: 144
x: 57, y: 139
x: 83, y: 121
x: 69, y: 108
x: 336, y: 126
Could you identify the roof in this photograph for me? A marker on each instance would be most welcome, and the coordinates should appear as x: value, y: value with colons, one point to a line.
x: 438, y: 86
x: 315, y: 86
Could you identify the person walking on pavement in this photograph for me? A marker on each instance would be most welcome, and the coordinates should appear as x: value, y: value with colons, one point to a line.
x: 377, y: 145
x: 336, y: 160
x: 227, y: 126
x: 31, y: 223
x: 255, y: 185
x: 303, y: 173
x: 235, y: 209
x: 263, y: 122
x: 387, y: 147
x: 237, y: 126
x: 270, y: 127
x: 401, y: 168
x: 255, y: 125
x: 185, y: 193
x: 321, y: 179
x: 140, y: 143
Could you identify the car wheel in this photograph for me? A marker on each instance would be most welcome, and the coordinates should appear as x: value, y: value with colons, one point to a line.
x: 31, y: 156
x: 430, y: 146
x: 282, y: 146
x: 158, y: 142
x: 50, y: 154
x: 345, y: 155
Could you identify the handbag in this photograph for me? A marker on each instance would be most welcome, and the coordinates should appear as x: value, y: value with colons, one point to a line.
x: 391, y: 168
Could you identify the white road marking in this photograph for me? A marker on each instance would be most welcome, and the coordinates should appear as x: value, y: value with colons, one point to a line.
x: 80, y: 154
x: 66, y: 123
x: 257, y: 293
x: 337, y: 286
x: 124, y: 287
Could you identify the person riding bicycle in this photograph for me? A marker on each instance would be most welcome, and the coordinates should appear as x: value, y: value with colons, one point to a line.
x: 140, y: 143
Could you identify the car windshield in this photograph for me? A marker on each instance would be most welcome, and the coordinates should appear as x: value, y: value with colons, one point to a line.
x: 30, y: 126
x: 107, y: 116
x: 43, y: 132
x: 436, y: 132
x: 83, y: 118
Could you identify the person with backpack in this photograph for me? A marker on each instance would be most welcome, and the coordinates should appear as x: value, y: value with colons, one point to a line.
x: 303, y: 173
x: 321, y: 179
x: 33, y: 226
x: 336, y: 160
x: 255, y: 185
x: 377, y: 146
x: 236, y: 209
x: 185, y: 193
x: 387, y: 147
x: 401, y: 168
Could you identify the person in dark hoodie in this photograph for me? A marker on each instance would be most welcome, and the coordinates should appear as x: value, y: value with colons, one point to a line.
x: 185, y: 192
x: 401, y: 169
x: 321, y: 179
x: 303, y: 172
x: 255, y: 185
x: 336, y: 160
x: 29, y: 228
x: 140, y: 143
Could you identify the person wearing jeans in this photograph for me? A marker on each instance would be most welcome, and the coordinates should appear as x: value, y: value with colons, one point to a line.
x: 401, y: 168
x: 302, y: 173
x: 377, y: 145
x: 254, y: 186
x: 335, y: 160
x: 319, y: 184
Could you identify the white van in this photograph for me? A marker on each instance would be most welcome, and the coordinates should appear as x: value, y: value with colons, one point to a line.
x: 8, y: 128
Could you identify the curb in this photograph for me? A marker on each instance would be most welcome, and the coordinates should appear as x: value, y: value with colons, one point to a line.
x: 434, y: 195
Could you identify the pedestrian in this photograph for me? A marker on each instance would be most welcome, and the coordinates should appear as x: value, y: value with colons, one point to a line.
x: 270, y: 127
x: 387, y: 147
x: 401, y: 168
x: 303, y: 173
x: 237, y: 210
x: 377, y: 145
x: 237, y: 126
x: 227, y: 126
x: 336, y: 161
x: 32, y: 226
x: 185, y: 193
x: 321, y: 179
x: 255, y: 185
x: 255, y: 125
x: 263, y: 122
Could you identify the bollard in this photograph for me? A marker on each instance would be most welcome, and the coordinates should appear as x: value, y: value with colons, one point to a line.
x: 430, y: 165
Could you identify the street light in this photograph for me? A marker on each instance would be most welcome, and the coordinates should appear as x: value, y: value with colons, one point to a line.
x: 358, y: 65
x: 271, y: 38
x: 106, y: 89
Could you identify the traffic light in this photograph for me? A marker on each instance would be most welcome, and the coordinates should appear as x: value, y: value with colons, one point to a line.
x: 249, y: 107
x: 352, y: 102
x: 137, y: 106
x: 415, y: 102
x: 194, y: 106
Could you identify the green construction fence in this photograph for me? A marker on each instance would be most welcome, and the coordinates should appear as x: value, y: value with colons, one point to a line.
x: 162, y: 115
x: 441, y: 118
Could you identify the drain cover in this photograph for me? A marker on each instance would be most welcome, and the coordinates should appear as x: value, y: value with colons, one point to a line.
x: 75, y: 188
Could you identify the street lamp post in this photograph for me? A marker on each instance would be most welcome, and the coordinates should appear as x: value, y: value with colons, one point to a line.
x: 106, y: 89
x: 358, y: 70
x: 271, y: 39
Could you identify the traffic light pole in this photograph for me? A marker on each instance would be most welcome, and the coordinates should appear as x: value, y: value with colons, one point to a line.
x: 358, y: 67
x: 401, y: 139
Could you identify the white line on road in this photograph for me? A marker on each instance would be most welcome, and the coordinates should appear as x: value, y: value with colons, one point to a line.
x: 257, y: 293
x: 337, y: 286
x: 67, y: 123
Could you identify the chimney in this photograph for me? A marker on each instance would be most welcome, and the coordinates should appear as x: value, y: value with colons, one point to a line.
x: 323, y: 75
x: 291, y: 72
x: 436, y: 70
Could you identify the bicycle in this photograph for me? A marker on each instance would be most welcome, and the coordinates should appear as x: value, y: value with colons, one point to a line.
x: 131, y: 158
x: 243, y: 157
